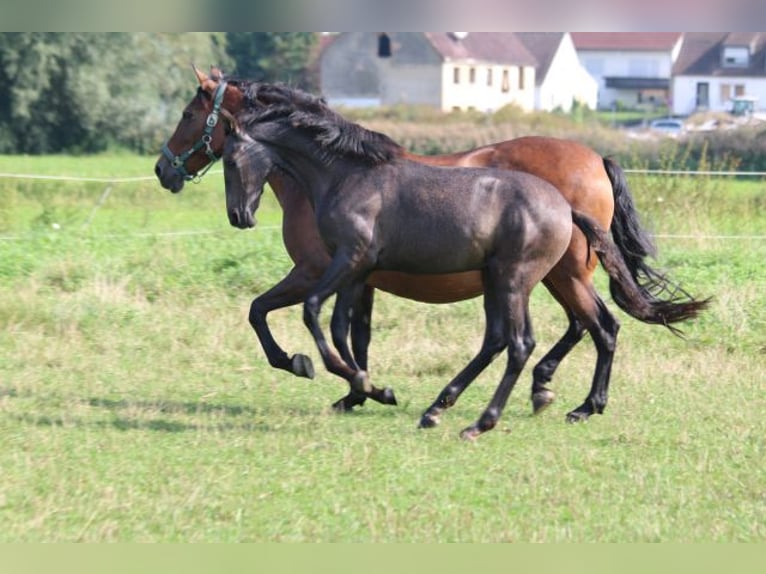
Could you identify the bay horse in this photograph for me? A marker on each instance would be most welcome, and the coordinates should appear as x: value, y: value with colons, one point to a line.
x: 592, y: 185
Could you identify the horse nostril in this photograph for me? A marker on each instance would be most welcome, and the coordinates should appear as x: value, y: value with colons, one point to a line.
x: 158, y: 170
x: 234, y: 217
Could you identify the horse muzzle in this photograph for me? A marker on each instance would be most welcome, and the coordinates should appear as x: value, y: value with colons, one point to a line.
x: 170, y: 178
x: 241, y: 218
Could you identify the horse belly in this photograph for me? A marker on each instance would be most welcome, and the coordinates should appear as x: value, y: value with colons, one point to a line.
x: 444, y: 288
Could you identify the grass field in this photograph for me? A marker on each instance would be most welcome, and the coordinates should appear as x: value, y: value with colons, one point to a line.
x: 136, y: 404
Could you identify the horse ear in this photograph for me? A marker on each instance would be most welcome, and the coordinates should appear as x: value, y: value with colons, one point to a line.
x: 201, y: 76
x: 207, y: 84
x: 216, y: 73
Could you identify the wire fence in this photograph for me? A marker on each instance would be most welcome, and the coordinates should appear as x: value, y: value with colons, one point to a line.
x: 110, y: 182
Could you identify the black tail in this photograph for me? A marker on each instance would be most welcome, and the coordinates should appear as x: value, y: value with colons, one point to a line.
x: 633, y: 298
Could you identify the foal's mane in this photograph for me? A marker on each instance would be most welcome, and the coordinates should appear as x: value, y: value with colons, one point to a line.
x: 334, y: 135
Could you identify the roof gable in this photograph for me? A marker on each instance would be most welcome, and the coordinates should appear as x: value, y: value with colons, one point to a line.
x: 702, y: 54
x: 488, y: 47
x: 543, y: 46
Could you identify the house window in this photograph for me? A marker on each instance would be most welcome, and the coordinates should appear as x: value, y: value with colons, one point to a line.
x: 384, y: 46
x: 739, y: 90
x: 725, y: 92
x: 472, y: 75
x: 489, y: 76
x: 521, y: 77
x: 736, y: 57
x: 506, y: 85
x: 456, y: 75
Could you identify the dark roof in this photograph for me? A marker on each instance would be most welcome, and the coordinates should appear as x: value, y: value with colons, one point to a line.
x: 543, y: 46
x: 701, y: 54
x: 646, y: 41
x: 493, y: 47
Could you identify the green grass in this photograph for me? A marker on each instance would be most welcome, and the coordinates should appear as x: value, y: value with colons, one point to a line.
x: 136, y: 404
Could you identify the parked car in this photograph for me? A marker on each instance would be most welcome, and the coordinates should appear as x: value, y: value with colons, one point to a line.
x: 667, y: 126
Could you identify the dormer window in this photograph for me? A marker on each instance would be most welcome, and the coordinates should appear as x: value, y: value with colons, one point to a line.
x: 384, y: 46
x: 736, y: 57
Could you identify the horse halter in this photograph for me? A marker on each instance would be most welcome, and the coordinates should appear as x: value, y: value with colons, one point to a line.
x: 179, y: 161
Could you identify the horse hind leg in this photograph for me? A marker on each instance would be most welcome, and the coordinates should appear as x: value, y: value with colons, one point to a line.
x: 542, y: 397
x: 603, y: 330
x: 520, y: 346
x: 493, y: 344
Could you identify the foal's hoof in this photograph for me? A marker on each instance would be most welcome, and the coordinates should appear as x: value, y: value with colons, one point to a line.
x: 428, y: 421
x: 471, y: 433
x: 347, y: 403
x: 383, y: 396
x: 388, y: 397
x: 577, y: 416
x: 541, y: 400
x: 302, y: 366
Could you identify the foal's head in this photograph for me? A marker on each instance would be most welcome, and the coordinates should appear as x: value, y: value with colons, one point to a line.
x: 246, y: 166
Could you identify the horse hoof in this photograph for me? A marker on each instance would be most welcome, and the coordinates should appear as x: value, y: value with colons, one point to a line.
x: 541, y: 400
x: 388, y: 397
x: 302, y: 366
x: 577, y: 417
x: 428, y: 421
x: 347, y: 403
x: 470, y: 434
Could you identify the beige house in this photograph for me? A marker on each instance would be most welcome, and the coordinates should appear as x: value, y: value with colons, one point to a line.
x: 447, y: 70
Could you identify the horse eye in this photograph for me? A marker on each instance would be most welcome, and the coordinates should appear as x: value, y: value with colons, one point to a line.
x: 186, y: 115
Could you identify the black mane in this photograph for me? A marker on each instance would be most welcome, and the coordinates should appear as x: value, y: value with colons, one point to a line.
x: 334, y: 135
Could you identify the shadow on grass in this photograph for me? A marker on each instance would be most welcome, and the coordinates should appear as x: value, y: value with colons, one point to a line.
x: 136, y: 415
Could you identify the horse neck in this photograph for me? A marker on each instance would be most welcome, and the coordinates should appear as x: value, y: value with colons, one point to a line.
x: 302, y: 171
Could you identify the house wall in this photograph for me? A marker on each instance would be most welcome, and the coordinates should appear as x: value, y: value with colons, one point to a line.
x: 349, y: 72
x: 626, y: 64
x: 519, y: 89
x: 684, y: 92
x: 566, y: 81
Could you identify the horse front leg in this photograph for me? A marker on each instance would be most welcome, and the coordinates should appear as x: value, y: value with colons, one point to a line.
x: 346, y: 268
x: 352, y: 313
x: 291, y: 290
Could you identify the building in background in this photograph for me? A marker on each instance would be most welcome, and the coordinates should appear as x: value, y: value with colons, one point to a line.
x: 720, y: 71
x: 446, y: 70
x: 632, y: 69
x: 561, y: 80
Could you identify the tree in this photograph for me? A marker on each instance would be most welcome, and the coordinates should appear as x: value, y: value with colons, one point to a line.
x: 274, y: 56
x: 83, y: 92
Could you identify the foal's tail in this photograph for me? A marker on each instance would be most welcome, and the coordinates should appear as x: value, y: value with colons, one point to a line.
x: 634, y: 298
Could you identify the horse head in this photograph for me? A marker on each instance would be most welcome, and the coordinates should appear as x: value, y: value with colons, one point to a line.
x: 247, y: 165
x: 198, y: 139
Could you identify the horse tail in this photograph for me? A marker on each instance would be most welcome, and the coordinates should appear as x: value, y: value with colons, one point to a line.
x: 631, y: 297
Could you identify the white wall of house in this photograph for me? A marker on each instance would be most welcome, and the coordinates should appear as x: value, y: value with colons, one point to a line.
x: 626, y: 64
x: 720, y: 90
x: 566, y: 81
x: 486, y: 87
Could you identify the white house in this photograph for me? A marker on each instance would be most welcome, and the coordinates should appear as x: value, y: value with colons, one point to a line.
x: 561, y: 79
x: 448, y: 70
x: 631, y: 68
x: 714, y: 68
